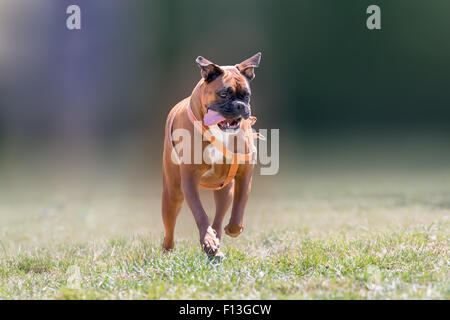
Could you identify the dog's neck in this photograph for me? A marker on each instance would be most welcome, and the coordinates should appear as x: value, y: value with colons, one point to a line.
x: 196, y: 102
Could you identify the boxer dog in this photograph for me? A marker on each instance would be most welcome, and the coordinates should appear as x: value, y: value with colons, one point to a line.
x: 218, y: 109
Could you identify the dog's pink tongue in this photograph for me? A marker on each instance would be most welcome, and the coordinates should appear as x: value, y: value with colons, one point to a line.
x: 212, y: 117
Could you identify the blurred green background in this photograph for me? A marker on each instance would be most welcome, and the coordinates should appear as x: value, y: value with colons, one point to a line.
x: 338, y: 92
x: 361, y: 203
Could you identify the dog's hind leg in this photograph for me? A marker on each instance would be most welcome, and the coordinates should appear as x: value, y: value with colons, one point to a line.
x: 223, y: 198
x: 172, y: 200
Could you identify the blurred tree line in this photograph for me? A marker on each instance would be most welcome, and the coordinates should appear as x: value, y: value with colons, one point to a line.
x: 322, y: 72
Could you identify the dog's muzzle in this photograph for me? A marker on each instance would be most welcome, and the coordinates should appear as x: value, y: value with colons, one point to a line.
x: 235, y: 109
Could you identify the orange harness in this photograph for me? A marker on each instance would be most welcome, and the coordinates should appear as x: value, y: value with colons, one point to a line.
x: 237, y: 158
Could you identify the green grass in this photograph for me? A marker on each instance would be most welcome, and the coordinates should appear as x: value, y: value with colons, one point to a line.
x: 330, y: 238
x: 281, y: 264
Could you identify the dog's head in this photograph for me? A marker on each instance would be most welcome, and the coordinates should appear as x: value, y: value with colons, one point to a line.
x: 226, y: 92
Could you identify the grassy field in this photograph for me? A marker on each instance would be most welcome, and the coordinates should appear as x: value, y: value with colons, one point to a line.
x: 315, y: 236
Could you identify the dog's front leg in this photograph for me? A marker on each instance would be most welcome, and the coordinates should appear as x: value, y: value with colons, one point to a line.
x: 223, y: 198
x: 208, y: 238
x: 242, y: 187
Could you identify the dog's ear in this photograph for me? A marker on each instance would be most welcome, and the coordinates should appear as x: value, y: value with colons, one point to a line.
x: 247, y: 67
x: 210, y: 70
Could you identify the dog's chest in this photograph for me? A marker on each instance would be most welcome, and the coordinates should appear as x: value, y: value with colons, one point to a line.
x: 214, y: 156
x: 211, y: 154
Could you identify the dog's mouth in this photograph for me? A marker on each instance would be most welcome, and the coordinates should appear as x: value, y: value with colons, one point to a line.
x: 230, y: 124
x: 213, y: 117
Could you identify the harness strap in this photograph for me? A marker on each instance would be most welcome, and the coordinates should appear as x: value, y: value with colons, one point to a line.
x: 241, y: 157
x: 169, y: 126
x: 236, y: 157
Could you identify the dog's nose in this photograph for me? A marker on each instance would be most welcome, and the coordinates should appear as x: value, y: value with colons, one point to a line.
x: 240, y: 106
x: 241, y: 109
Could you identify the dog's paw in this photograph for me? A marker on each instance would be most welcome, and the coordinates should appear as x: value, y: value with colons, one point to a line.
x: 210, y: 243
x: 219, y: 256
x: 233, y: 230
x: 167, y: 246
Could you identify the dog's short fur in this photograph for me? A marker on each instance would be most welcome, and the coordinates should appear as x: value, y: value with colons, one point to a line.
x: 224, y: 90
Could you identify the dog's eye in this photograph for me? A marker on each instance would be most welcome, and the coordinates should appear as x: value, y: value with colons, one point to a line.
x: 223, y: 94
